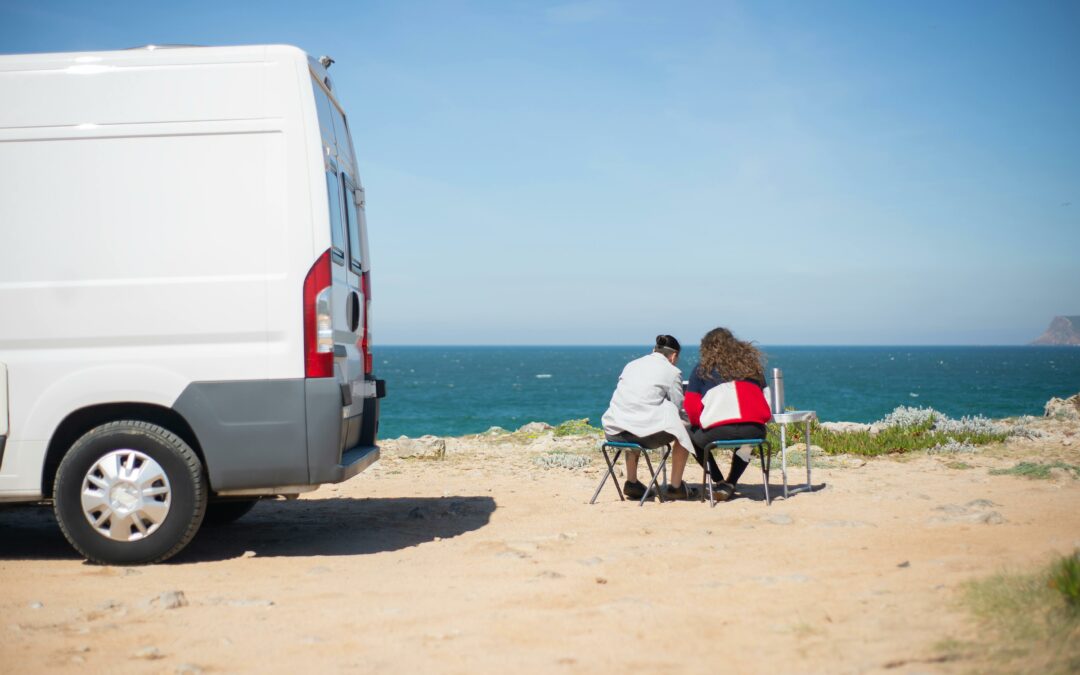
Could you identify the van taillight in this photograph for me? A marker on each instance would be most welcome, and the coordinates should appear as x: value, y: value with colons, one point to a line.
x: 365, y: 344
x: 318, y: 329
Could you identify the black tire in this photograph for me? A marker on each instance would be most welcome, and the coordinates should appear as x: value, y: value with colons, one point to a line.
x: 183, y: 480
x: 227, y: 511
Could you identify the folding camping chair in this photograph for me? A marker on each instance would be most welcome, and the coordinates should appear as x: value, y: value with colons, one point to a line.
x: 619, y: 446
x: 764, y: 453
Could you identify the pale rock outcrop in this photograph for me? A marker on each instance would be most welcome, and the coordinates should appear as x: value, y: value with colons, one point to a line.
x: 1063, y: 408
x: 425, y: 447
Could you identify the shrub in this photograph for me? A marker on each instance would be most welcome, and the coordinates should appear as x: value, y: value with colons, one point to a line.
x: 1036, y: 470
x: 576, y: 428
x: 1065, y: 579
x: 904, y: 430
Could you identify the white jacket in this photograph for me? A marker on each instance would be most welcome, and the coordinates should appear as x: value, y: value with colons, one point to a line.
x: 647, y: 400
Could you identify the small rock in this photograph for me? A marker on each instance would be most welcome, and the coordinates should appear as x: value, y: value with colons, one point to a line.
x: 188, y: 669
x: 36, y: 605
x: 149, y: 653
x: 535, y: 428
x: 170, y: 600
x: 248, y: 554
x: 779, y: 519
x: 992, y: 518
x: 601, y: 580
x: 906, y: 563
x: 425, y: 447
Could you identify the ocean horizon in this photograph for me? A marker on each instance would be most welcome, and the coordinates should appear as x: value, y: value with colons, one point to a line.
x: 453, y: 390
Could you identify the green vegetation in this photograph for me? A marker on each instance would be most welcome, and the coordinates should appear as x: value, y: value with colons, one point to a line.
x: 1027, y: 623
x: 1065, y: 579
x: 1037, y: 471
x: 960, y: 466
x: 576, y: 428
x: 558, y: 459
x: 924, y: 434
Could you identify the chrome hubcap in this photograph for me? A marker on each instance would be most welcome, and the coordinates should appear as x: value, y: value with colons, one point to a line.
x: 126, y: 495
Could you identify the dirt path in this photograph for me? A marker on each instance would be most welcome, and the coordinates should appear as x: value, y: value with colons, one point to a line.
x: 485, y: 562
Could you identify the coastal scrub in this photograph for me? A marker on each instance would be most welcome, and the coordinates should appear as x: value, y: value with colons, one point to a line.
x: 904, y: 430
x: 1027, y: 622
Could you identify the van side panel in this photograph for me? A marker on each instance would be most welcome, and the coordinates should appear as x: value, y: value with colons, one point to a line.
x: 252, y: 433
x: 3, y: 414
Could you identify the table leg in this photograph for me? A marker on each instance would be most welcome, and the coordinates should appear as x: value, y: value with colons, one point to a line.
x: 783, y: 456
x: 809, y: 488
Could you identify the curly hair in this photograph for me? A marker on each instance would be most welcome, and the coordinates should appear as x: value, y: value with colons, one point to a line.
x: 724, y: 354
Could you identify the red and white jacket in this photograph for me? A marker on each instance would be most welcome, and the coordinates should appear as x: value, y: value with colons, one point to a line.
x: 712, y: 402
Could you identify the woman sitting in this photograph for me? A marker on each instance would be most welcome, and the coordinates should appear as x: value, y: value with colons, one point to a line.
x: 725, y: 400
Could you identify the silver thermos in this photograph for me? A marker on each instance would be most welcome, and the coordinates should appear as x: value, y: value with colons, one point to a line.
x: 777, y: 391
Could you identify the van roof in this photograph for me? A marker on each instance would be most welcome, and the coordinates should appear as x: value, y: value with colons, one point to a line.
x: 160, y: 55
x: 156, y: 55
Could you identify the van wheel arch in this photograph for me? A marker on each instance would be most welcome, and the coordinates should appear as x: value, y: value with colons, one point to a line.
x: 83, y: 420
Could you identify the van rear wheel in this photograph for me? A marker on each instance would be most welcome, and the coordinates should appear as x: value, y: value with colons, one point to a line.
x: 130, y: 493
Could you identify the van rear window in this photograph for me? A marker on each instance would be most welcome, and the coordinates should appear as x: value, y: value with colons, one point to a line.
x: 326, y: 115
x: 337, y: 234
x: 354, y: 228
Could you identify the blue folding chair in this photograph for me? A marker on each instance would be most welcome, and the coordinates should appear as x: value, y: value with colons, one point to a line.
x: 619, y: 446
x: 764, y: 450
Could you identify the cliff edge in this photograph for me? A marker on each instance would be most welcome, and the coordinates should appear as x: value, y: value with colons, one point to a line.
x: 1063, y: 330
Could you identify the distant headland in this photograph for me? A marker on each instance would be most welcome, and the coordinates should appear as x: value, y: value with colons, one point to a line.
x: 1063, y: 330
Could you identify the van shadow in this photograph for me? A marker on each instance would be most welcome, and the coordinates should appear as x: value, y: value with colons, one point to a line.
x: 324, y: 527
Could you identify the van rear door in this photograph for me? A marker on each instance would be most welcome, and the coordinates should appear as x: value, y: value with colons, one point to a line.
x: 348, y: 300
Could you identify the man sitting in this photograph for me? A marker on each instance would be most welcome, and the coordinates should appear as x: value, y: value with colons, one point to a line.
x: 645, y: 410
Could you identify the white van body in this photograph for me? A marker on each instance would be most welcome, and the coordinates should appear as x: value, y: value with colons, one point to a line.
x: 182, y: 243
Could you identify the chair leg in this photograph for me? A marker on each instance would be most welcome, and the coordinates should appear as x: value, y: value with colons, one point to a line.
x: 765, y: 472
x: 610, y: 472
x: 704, y: 473
x: 708, y: 477
x: 652, y: 483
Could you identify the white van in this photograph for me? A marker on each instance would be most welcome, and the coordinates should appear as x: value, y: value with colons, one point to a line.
x: 184, y: 290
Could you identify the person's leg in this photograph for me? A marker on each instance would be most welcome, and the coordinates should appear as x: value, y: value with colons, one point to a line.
x: 740, y: 459
x: 631, y: 465
x: 679, y: 455
x: 701, y: 438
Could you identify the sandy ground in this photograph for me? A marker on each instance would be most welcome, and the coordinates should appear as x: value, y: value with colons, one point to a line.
x: 485, y: 562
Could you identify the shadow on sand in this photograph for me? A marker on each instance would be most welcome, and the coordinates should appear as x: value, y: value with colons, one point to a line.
x: 329, y: 527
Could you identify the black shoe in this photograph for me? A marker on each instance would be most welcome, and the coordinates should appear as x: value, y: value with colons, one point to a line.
x: 723, y: 491
x: 682, y: 493
x: 635, y: 490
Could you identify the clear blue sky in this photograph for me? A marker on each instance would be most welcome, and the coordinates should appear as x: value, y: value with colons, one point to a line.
x: 598, y: 172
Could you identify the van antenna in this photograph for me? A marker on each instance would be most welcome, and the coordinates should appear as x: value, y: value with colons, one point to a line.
x: 325, y: 61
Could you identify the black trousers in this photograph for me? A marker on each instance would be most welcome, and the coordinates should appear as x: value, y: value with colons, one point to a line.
x: 651, y: 442
x: 724, y: 432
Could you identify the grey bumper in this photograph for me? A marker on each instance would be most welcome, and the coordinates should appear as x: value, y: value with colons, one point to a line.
x: 270, y: 433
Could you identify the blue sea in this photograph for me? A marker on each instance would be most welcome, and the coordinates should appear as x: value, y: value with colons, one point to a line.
x: 451, y: 391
